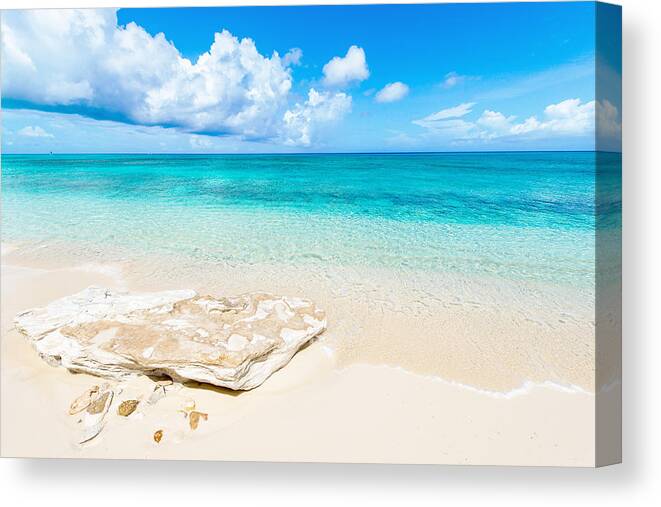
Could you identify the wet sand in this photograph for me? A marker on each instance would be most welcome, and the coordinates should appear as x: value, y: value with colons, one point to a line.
x: 493, y: 334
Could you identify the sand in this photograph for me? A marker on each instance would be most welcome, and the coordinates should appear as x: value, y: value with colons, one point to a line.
x: 326, y: 405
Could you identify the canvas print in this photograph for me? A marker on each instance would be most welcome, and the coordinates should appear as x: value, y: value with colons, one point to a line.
x: 355, y: 233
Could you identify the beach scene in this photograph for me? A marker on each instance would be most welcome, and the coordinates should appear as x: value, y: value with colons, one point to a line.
x: 245, y: 243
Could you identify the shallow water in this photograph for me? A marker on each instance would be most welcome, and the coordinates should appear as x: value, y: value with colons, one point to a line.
x: 512, y: 215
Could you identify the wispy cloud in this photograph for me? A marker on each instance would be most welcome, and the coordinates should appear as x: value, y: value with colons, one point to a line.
x: 452, y: 79
x: 515, y: 86
x: 568, y: 118
x: 198, y: 142
x: 30, y: 131
x: 436, y: 120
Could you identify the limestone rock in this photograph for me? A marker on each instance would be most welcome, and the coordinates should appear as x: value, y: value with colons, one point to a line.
x: 235, y: 342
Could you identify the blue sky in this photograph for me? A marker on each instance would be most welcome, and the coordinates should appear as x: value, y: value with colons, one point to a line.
x: 447, y: 77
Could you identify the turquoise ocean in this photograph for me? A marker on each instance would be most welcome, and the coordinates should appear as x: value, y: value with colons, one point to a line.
x: 521, y: 216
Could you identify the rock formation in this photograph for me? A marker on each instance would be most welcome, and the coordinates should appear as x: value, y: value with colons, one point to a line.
x: 235, y: 342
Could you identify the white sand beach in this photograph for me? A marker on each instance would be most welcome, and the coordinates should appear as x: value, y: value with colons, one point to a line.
x: 326, y: 405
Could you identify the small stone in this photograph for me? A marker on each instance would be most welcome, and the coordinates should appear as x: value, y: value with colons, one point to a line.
x: 127, y: 407
x: 158, y: 435
x: 194, y: 419
x: 99, y: 404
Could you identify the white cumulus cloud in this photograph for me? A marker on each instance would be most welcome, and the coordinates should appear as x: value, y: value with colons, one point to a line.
x: 84, y: 58
x: 568, y: 118
x: 392, y: 92
x: 320, y: 108
x: 495, y: 120
x: 341, y: 71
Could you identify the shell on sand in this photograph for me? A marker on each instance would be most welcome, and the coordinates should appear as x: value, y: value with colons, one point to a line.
x: 93, y: 418
x: 235, y: 342
x: 161, y: 389
x: 83, y: 401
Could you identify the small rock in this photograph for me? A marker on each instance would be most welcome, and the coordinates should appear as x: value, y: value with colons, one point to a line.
x: 127, y: 407
x: 194, y: 419
x: 158, y: 435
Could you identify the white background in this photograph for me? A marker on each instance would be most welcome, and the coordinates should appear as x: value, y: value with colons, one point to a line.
x: 635, y: 482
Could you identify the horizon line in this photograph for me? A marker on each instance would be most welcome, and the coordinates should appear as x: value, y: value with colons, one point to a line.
x: 299, y: 153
